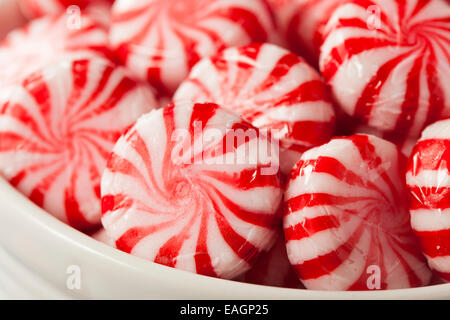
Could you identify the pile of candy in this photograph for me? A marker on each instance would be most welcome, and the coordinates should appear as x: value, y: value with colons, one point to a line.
x: 259, y: 141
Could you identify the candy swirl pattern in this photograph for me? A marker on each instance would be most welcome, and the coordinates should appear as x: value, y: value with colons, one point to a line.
x: 44, y: 41
x: 387, y: 63
x: 160, y: 40
x: 347, y: 223
x: 169, y: 199
x: 57, y: 130
x: 429, y: 184
x: 270, y: 87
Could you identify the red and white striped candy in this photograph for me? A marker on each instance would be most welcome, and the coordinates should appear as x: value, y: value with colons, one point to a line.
x: 347, y: 222
x: 388, y: 61
x: 428, y: 180
x: 57, y: 130
x: 270, y: 87
x: 301, y: 23
x: 160, y: 40
x: 44, y: 41
x: 169, y: 198
x: 39, y: 8
x: 273, y: 269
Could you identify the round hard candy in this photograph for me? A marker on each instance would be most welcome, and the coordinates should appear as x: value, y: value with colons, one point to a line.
x: 43, y: 41
x: 57, y: 129
x: 160, y: 40
x: 188, y: 187
x: 347, y: 222
x: 387, y: 63
x: 270, y: 87
x: 429, y: 185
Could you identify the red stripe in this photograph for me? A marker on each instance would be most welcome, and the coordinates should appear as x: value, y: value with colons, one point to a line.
x: 370, y: 93
x: 437, y: 198
x: 117, y: 164
x: 265, y: 220
x: 80, y: 73
x: 133, y: 236
x: 326, y: 264
x: 245, y: 179
x: 411, y: 101
x: 314, y: 90
x: 319, y: 199
x: 203, y: 261
x: 202, y: 113
x: 437, y: 96
x: 139, y: 145
x: 430, y: 154
x: 82, y: 115
x: 169, y: 251
x: 240, y: 245
x: 310, y: 226
x: 332, y: 167
x: 10, y: 141
x: 313, y: 133
x: 351, y: 47
x: 21, y: 114
x: 435, y: 243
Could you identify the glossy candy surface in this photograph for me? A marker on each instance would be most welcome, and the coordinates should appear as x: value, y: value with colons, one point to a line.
x: 44, y: 41
x: 347, y: 222
x: 270, y: 87
x: 160, y: 40
x: 429, y: 184
x: 387, y: 63
x: 57, y: 130
x: 180, y: 190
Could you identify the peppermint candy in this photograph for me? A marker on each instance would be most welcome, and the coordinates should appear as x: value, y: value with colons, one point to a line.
x: 347, y: 223
x: 160, y: 40
x: 44, y: 41
x: 387, y: 62
x: 57, y: 130
x: 429, y: 184
x: 186, y: 188
x: 270, y: 87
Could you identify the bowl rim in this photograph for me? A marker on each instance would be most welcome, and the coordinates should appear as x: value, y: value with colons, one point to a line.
x: 192, y: 281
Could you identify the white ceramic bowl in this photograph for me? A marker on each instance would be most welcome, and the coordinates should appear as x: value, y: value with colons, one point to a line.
x: 36, y: 251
